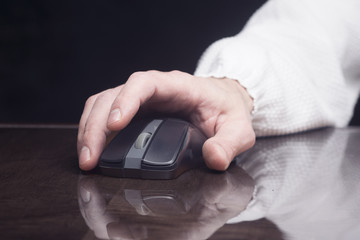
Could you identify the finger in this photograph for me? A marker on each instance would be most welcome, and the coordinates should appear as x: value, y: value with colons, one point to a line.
x: 231, y: 138
x: 84, y: 116
x: 93, y: 207
x: 95, y: 131
x: 140, y: 88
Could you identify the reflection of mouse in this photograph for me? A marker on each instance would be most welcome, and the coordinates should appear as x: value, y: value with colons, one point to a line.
x: 153, y: 149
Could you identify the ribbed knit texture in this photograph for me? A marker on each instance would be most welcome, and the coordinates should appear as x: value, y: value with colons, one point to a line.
x: 299, y: 60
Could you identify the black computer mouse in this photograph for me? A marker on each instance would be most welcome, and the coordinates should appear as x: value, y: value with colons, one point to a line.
x: 153, y: 149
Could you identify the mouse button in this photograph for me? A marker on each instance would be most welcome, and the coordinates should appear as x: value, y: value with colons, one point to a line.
x: 166, y: 144
x: 117, y: 149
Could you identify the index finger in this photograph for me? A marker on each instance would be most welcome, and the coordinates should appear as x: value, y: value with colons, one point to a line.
x: 142, y: 87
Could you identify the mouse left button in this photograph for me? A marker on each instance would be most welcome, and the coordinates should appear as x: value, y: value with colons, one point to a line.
x: 116, y: 151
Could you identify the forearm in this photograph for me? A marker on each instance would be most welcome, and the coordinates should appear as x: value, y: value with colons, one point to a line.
x: 298, y: 61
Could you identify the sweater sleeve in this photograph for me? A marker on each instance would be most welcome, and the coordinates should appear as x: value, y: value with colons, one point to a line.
x: 299, y: 60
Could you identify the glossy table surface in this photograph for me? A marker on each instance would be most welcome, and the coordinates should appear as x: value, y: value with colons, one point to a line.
x: 302, y: 186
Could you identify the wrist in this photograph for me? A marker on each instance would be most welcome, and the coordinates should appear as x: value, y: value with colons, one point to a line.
x: 247, y: 99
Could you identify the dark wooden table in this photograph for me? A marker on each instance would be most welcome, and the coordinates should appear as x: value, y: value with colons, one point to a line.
x: 307, y: 186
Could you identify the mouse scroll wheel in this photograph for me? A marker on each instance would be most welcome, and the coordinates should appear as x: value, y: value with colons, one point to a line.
x: 142, y: 140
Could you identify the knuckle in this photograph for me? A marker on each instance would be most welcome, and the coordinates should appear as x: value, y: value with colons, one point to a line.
x: 91, y: 100
x: 151, y: 75
x: 105, y: 94
x: 176, y: 73
x: 153, y: 72
x: 181, y: 76
x: 138, y: 76
x: 141, y: 82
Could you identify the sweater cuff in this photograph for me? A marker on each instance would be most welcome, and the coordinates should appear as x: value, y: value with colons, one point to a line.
x: 241, y: 62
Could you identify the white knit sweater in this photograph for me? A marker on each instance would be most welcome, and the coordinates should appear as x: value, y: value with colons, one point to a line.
x: 298, y: 59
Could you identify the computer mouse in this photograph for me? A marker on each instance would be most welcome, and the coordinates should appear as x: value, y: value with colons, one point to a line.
x: 160, y: 148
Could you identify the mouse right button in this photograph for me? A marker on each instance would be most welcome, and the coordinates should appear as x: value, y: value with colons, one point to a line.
x: 166, y: 145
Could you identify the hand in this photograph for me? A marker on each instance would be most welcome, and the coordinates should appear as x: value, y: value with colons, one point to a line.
x: 219, y: 107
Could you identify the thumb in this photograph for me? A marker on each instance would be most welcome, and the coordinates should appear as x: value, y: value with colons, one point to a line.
x: 230, y: 139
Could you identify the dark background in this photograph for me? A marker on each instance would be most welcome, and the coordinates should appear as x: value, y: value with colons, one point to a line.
x: 55, y: 54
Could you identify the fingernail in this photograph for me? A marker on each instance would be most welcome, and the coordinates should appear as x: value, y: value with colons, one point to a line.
x: 84, y: 155
x: 114, y: 116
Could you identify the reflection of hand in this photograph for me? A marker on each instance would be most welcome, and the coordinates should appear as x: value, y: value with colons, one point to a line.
x: 306, y: 183
x: 93, y: 207
x: 223, y: 197
x: 219, y: 107
x: 203, y: 203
